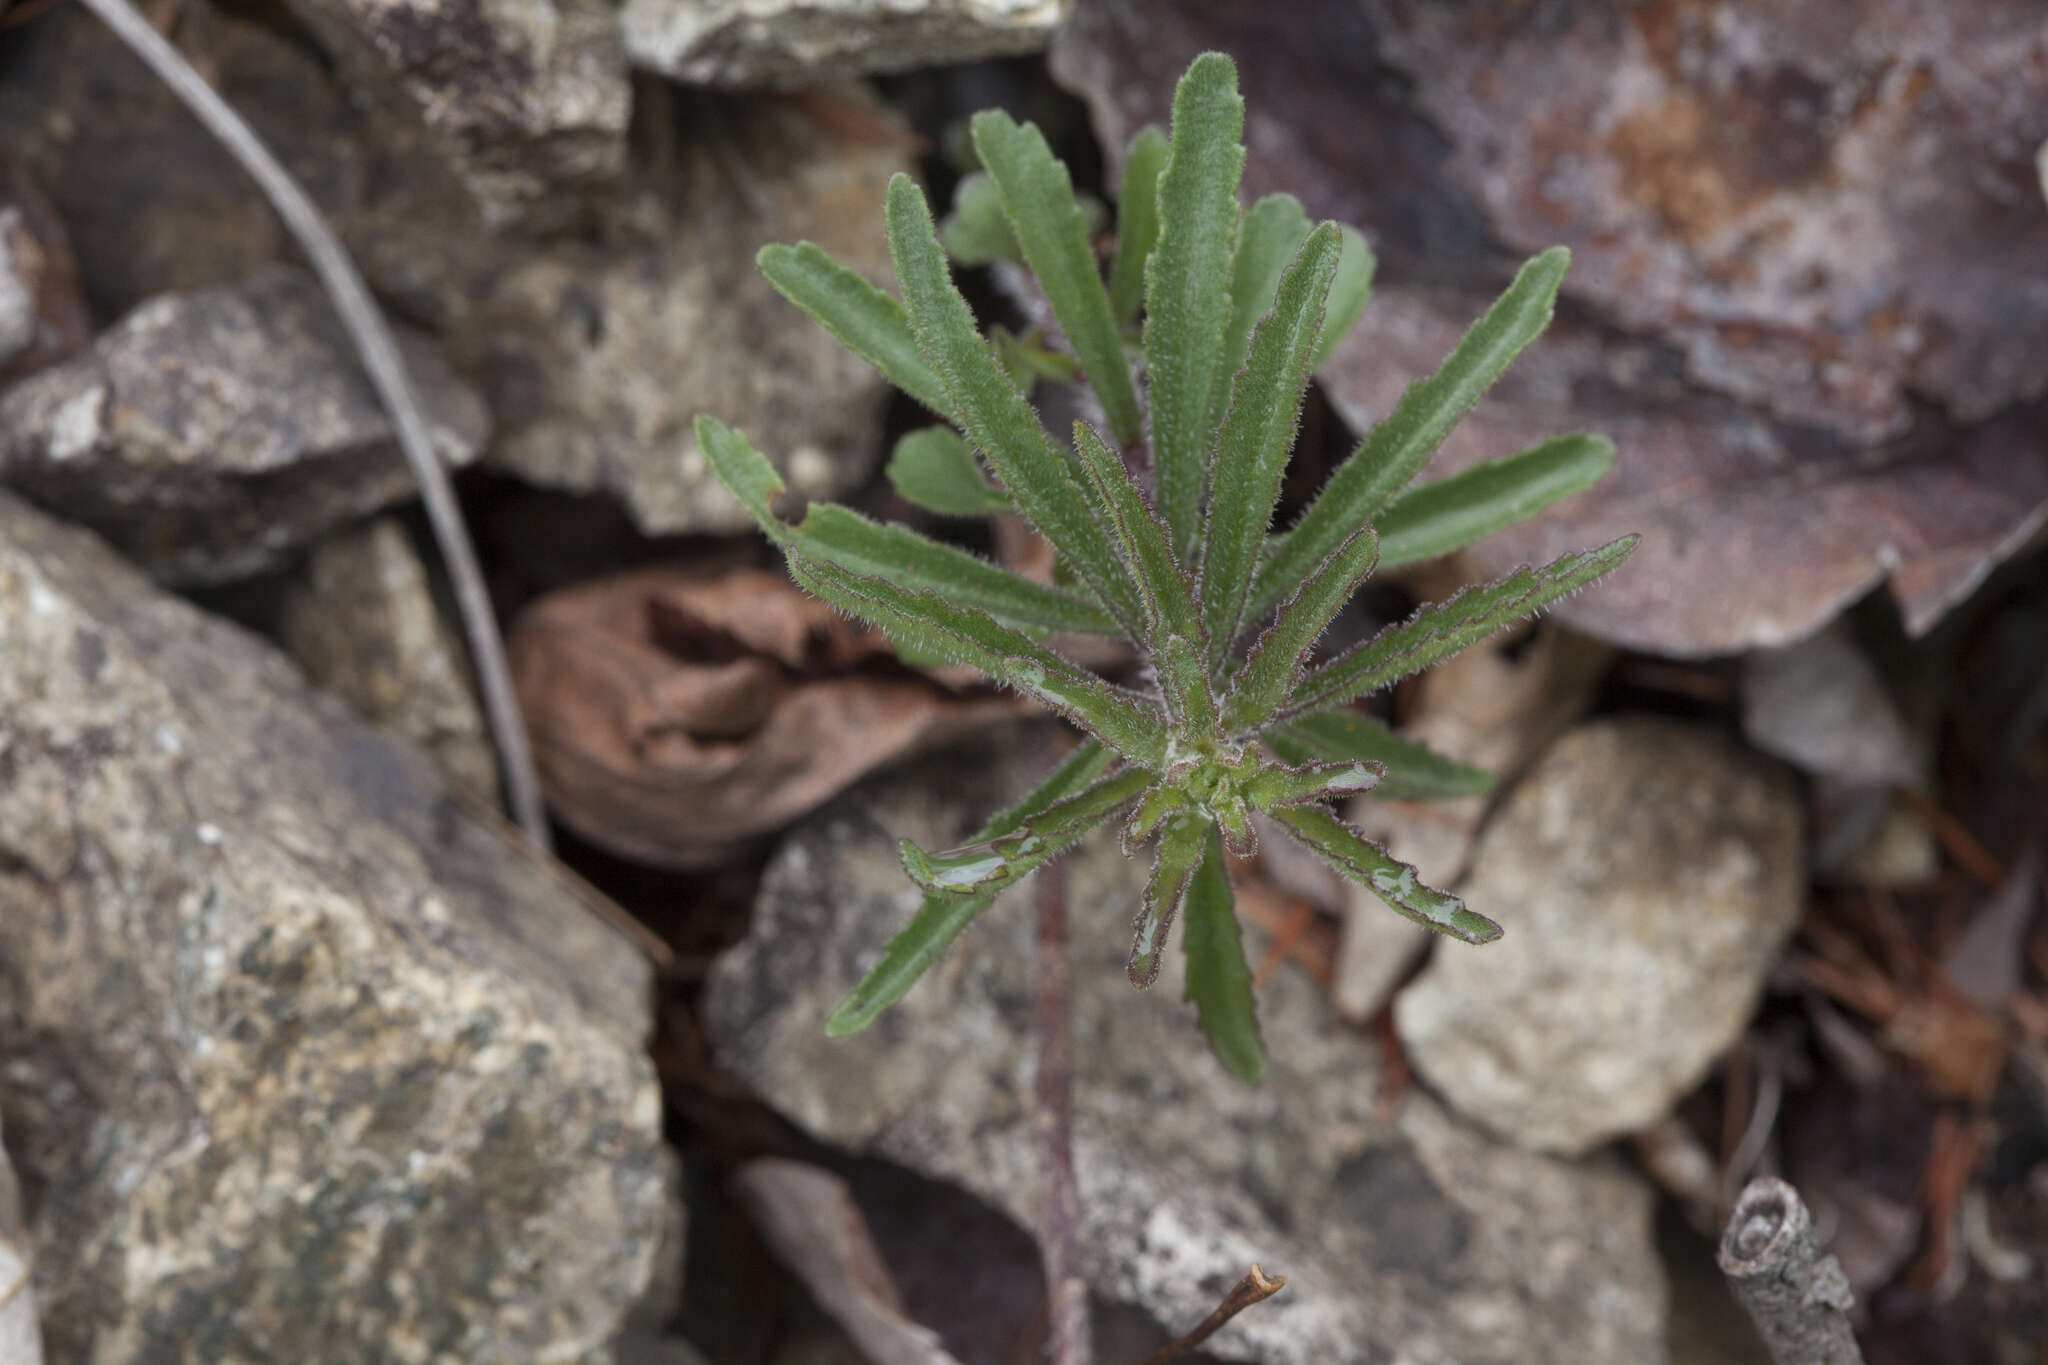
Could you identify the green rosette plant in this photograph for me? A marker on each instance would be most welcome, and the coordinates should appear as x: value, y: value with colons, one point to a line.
x: 1198, y: 350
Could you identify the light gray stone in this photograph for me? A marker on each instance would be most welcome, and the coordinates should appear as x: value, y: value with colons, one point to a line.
x: 598, y: 359
x: 1404, y: 1234
x: 301, y: 1061
x: 527, y: 100
x: 362, y: 621
x: 1820, y: 705
x: 1647, y: 875
x: 21, y: 1337
x: 799, y: 42
x: 211, y: 433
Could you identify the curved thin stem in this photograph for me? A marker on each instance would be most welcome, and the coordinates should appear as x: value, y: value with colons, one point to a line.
x: 378, y: 351
x: 1059, y: 1233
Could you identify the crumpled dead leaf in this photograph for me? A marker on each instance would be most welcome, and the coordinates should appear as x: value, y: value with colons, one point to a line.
x: 677, y: 717
x: 1757, y: 529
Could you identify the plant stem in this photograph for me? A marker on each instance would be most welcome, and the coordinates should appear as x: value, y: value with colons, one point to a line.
x: 1797, y: 1297
x: 378, y: 351
x: 1255, y: 1287
x: 1066, y: 1291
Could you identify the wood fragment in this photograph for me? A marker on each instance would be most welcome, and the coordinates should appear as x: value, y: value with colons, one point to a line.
x: 1255, y: 1287
x: 1798, y: 1297
x: 1955, y: 840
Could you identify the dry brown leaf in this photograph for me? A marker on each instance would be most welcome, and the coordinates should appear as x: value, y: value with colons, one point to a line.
x: 678, y: 717
x: 1442, y: 131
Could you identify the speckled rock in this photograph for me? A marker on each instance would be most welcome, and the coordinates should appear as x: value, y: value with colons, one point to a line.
x: 362, y: 621
x: 299, y: 1061
x: 1646, y: 874
x: 527, y: 100
x: 211, y: 433
x: 595, y: 349
x: 1404, y: 1234
x: 598, y: 358
x: 798, y: 42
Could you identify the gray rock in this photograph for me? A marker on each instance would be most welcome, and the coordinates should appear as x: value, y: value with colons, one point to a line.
x: 211, y: 433
x: 1820, y: 705
x: 17, y: 291
x: 299, y: 1061
x: 798, y: 42
x: 598, y: 359
x: 363, y: 623
x: 596, y: 351
x: 1404, y: 1234
x: 21, y: 1337
x: 1647, y: 876
x: 100, y: 134
x: 527, y: 100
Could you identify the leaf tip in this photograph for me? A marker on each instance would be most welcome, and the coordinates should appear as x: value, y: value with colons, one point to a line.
x: 850, y: 1018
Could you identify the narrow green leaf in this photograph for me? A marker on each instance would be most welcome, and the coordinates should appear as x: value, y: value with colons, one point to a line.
x: 1181, y: 846
x: 931, y: 625
x: 1348, y: 294
x: 934, y: 469
x: 1233, y: 817
x: 1438, y: 631
x: 1167, y: 591
x: 842, y: 536
x: 1276, y: 785
x: 867, y: 321
x: 1035, y: 470
x: 1258, y: 434
x: 976, y: 232
x: 1219, y: 980
x: 1396, y: 450
x: 1269, y: 235
x: 1185, y: 309
x: 1386, y: 876
x: 1038, y: 197
x: 941, y: 918
x: 1137, y: 223
x: 746, y: 474
x: 1414, y: 771
x: 989, y: 865
x: 1162, y: 800
x: 1027, y: 362
x: 1449, y: 514
x: 1275, y: 665
x: 1184, y: 679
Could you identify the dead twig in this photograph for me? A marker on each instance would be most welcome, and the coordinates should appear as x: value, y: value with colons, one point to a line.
x: 1059, y: 1231
x: 381, y: 361
x: 1255, y: 1287
x: 1798, y: 1298
x: 1956, y: 841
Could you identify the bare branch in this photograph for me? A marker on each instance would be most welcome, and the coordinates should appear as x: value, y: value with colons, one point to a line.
x: 1255, y: 1287
x: 379, y: 353
x: 1798, y: 1298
